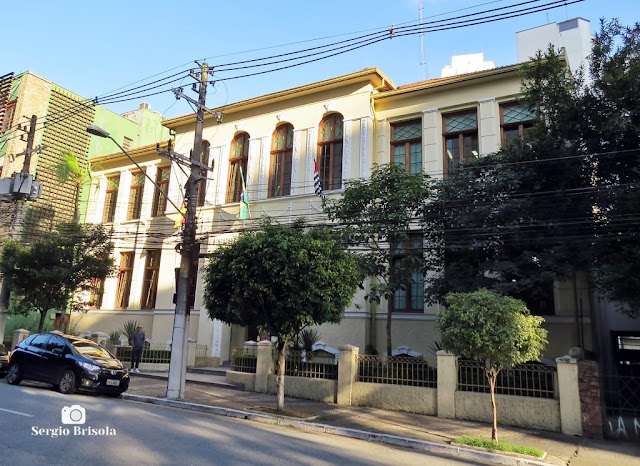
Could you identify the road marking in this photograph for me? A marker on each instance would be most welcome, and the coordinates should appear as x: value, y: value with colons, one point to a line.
x: 16, y: 412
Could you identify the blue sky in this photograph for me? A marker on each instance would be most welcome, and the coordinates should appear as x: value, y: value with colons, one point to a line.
x: 93, y: 49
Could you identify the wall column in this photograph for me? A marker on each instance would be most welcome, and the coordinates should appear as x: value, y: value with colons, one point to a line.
x: 568, y: 388
x: 264, y: 365
x: 347, y: 373
x: 447, y: 384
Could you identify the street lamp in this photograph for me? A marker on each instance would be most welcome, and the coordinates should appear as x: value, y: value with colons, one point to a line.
x: 188, y: 254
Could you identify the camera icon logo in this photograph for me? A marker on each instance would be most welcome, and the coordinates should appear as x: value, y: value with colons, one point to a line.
x: 74, y: 414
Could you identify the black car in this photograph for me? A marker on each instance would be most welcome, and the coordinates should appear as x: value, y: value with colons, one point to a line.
x: 69, y: 363
x: 4, y: 360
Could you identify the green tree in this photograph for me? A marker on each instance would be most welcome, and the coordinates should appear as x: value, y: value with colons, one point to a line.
x: 283, y: 278
x: 379, y: 215
x: 495, y: 329
x: 71, y: 169
x: 46, y: 274
x: 562, y: 200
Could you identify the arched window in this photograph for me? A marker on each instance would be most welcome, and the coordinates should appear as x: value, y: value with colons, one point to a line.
x: 237, y: 162
x: 202, y: 183
x: 330, y: 152
x: 281, y: 160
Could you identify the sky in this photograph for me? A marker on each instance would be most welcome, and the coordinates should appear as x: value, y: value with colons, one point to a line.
x: 96, y: 49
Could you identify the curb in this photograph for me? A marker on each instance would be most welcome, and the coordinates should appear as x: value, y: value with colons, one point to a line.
x: 387, y: 439
x: 147, y: 375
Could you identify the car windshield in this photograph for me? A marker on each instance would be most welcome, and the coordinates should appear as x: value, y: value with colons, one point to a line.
x: 88, y: 348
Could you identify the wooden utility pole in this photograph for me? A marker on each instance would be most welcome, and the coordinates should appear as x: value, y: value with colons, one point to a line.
x: 189, y: 252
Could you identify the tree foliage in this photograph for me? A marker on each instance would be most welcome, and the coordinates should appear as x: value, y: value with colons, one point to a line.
x: 378, y: 215
x: 71, y: 169
x: 486, y: 326
x: 283, y: 278
x: 564, y: 199
x: 45, y: 274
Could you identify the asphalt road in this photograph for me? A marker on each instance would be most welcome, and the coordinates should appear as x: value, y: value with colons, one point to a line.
x: 116, y: 431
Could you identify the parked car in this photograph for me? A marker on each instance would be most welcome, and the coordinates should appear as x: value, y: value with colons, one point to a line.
x: 69, y: 363
x: 4, y: 360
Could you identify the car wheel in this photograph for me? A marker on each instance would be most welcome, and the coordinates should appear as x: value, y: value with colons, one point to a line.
x: 14, y: 377
x: 67, y: 383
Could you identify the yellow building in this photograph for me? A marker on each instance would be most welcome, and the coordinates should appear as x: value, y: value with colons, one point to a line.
x: 345, y: 125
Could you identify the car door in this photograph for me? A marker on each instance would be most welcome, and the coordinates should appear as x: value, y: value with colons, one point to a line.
x: 54, y: 361
x: 33, y: 356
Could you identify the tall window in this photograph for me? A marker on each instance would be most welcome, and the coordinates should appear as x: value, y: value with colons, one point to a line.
x: 125, y: 273
x: 460, y: 138
x: 237, y: 160
x: 411, y: 297
x: 109, y: 212
x: 281, y: 160
x: 515, y: 120
x: 150, y: 283
x: 202, y: 182
x: 330, y: 151
x: 135, y: 196
x: 406, y: 145
x: 97, y: 292
x: 159, y: 199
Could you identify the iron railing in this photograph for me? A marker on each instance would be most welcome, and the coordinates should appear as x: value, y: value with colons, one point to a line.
x: 397, y: 370
x: 531, y: 379
x: 621, y: 395
x: 202, y: 351
x: 244, y: 360
x: 153, y: 354
x: 303, y: 364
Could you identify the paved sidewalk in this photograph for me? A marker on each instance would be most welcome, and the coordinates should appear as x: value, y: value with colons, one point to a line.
x: 430, y: 433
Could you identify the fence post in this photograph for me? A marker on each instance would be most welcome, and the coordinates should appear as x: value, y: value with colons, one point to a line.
x: 447, y: 384
x: 569, y: 391
x: 264, y: 365
x: 347, y: 372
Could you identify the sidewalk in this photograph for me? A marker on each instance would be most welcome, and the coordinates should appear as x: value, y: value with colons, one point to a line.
x: 209, y: 389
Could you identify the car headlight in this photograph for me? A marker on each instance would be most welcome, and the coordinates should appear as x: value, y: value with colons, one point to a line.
x: 90, y: 367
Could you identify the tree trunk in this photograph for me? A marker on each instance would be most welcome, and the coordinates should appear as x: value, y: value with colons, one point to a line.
x: 282, y: 348
x: 492, y: 375
x: 43, y: 315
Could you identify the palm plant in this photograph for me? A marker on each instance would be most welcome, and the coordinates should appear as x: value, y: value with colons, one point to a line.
x: 129, y: 328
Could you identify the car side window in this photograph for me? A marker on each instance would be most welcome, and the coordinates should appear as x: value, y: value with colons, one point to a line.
x: 56, y: 343
x: 40, y: 341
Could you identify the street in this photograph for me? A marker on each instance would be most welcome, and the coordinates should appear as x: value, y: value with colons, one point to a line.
x: 40, y: 425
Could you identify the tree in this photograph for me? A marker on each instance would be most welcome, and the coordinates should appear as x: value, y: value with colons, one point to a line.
x: 379, y: 215
x: 284, y: 278
x: 45, y: 275
x: 562, y: 200
x: 70, y: 169
x: 495, y: 329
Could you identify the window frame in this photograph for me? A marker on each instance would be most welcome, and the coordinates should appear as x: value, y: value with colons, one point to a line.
x: 406, y: 143
x: 234, y: 182
x: 111, y: 199
x: 327, y: 176
x: 125, y: 278
x: 409, y: 287
x: 136, y: 192
x: 460, y: 136
x: 97, y: 293
x: 159, y: 201
x: 281, y: 160
x: 521, y: 126
x: 150, y: 280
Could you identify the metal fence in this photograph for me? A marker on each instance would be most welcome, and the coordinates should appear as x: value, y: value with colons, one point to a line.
x: 244, y: 360
x: 303, y: 364
x: 531, y: 379
x: 397, y: 370
x: 202, y: 351
x: 621, y: 395
x: 153, y: 354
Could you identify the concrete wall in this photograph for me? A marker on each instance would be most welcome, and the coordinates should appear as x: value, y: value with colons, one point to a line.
x: 306, y: 388
x: 395, y: 397
x: 242, y: 378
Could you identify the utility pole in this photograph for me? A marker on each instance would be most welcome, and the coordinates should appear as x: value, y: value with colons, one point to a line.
x: 189, y: 252
x: 22, y: 189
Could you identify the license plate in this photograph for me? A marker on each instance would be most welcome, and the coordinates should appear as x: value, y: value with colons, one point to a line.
x: 113, y: 382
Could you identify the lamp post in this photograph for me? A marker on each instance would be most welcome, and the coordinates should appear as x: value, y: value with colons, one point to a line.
x: 179, y: 346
